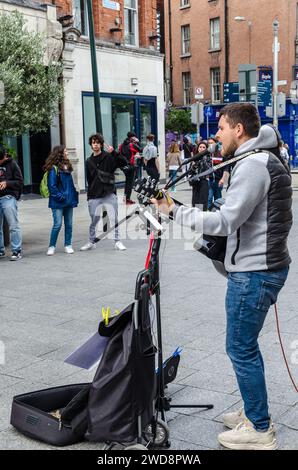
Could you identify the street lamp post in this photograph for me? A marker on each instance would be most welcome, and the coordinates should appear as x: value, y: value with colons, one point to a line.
x: 249, y: 24
x: 96, y: 94
x: 275, y: 71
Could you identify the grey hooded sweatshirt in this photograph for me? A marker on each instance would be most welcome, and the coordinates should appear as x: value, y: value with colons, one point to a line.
x: 256, y: 216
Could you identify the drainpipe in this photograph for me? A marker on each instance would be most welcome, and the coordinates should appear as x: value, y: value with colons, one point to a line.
x: 227, y: 42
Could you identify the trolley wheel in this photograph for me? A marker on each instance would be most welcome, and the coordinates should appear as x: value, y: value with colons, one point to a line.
x: 162, y: 434
x: 136, y: 447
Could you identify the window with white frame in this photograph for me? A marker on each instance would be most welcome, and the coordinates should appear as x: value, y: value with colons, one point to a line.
x: 185, y: 39
x: 184, y: 3
x: 215, y: 84
x: 186, y: 80
x: 131, y: 22
x: 81, y: 16
x: 214, y: 33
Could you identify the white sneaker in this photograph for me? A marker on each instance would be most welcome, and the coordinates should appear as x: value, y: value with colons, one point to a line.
x: 119, y: 246
x: 69, y: 249
x: 51, y: 251
x: 231, y: 420
x: 88, y: 246
x: 245, y: 437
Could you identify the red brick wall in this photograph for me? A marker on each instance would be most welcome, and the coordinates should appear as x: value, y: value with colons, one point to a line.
x: 104, y: 20
x: 260, y: 12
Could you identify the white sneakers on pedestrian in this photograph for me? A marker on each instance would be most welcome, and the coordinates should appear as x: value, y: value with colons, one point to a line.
x: 245, y: 437
x: 51, y: 251
x: 69, y: 250
x: 88, y: 246
x: 231, y: 420
x: 119, y: 246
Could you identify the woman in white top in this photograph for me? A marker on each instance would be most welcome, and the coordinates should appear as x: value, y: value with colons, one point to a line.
x: 174, y: 161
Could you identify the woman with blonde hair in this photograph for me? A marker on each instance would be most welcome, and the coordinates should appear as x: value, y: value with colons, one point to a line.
x: 174, y: 161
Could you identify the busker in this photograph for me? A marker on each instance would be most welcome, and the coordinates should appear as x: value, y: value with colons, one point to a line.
x: 100, y: 173
x: 256, y: 218
x: 11, y: 184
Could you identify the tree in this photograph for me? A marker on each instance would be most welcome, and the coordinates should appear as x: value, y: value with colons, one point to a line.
x: 179, y: 120
x: 32, y: 90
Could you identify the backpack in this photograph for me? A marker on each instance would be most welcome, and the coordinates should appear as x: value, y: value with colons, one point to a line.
x: 43, y: 188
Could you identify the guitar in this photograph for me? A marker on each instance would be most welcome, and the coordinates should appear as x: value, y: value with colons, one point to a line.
x: 213, y: 247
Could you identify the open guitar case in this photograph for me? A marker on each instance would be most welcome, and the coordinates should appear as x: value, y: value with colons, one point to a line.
x: 120, y: 401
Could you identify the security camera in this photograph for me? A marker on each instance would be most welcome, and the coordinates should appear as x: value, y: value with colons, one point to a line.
x: 135, y: 90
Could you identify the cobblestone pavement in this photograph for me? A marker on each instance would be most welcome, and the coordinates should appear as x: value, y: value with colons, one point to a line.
x: 49, y: 305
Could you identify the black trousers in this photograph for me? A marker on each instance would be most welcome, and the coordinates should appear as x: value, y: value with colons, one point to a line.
x: 200, y: 191
x: 129, y: 182
x: 153, y: 172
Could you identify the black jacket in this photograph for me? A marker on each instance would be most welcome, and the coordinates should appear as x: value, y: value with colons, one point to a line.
x: 100, y: 171
x: 11, y: 173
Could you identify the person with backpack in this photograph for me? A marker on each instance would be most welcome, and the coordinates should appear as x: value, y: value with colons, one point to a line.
x: 11, y: 184
x: 129, y: 150
x: 100, y: 174
x: 63, y: 196
x: 151, y: 158
x: 256, y: 218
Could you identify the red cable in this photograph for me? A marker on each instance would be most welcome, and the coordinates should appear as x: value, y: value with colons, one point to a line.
x: 282, y: 348
x: 149, y: 251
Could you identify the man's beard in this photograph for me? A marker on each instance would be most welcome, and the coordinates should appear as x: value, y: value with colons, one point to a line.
x: 230, y: 150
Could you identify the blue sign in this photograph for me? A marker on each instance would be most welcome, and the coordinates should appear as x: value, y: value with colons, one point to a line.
x: 265, y: 93
x: 265, y: 74
x: 208, y: 111
x: 231, y: 92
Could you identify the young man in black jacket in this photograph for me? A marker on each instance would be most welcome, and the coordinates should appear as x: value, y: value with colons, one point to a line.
x: 11, y: 184
x: 129, y: 149
x: 100, y: 173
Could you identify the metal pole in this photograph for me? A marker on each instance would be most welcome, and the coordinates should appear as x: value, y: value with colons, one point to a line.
x: 275, y: 71
x: 249, y: 40
x: 207, y: 126
x: 96, y: 95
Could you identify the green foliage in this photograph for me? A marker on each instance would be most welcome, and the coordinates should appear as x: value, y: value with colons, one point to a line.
x: 32, y: 91
x: 179, y: 120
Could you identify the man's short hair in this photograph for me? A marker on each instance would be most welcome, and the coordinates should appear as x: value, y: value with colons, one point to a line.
x: 242, y: 113
x: 150, y: 137
x: 130, y: 135
x: 96, y: 138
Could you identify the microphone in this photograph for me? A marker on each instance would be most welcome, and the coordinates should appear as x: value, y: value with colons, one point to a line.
x: 196, y: 157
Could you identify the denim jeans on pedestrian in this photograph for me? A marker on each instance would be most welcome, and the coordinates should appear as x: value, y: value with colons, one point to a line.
x: 173, y: 176
x: 58, y: 215
x: 215, y: 192
x: 9, y: 210
x: 249, y: 296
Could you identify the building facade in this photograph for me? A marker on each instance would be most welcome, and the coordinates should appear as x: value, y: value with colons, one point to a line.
x: 130, y: 69
x: 130, y: 72
x: 32, y: 149
x: 206, y: 40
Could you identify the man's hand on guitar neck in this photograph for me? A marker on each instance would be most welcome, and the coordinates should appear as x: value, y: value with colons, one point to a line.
x: 164, y: 205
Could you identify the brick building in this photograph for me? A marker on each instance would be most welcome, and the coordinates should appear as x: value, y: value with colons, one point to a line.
x: 130, y: 74
x: 205, y: 43
x: 130, y: 69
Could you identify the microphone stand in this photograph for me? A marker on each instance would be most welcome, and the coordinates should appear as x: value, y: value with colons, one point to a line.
x: 163, y: 403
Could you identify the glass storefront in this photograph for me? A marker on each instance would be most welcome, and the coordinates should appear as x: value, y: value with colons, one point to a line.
x: 120, y: 114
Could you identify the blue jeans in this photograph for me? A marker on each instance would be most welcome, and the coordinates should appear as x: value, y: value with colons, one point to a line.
x: 173, y: 174
x: 58, y: 214
x: 9, y: 210
x: 214, y: 192
x: 249, y: 296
